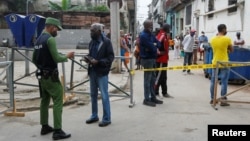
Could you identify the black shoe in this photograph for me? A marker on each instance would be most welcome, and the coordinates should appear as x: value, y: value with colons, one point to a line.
x: 103, y: 124
x: 211, y: 102
x: 149, y: 103
x: 224, y: 104
x: 156, y: 101
x: 223, y: 101
x: 91, y: 120
x: 224, y: 98
x: 60, y: 134
x: 188, y: 71
x: 183, y: 70
x: 167, y: 96
x: 46, y: 129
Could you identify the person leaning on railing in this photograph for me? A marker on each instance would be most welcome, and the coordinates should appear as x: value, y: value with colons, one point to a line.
x: 240, y: 42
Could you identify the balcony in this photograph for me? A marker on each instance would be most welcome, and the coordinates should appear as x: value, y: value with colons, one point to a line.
x: 175, y: 4
x: 172, y: 4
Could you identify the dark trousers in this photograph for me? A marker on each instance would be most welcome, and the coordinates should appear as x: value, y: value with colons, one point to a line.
x: 161, y: 79
x: 51, y: 90
x: 188, y: 56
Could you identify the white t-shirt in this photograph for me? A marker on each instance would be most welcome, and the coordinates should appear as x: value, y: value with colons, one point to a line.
x: 241, y: 40
x: 176, y: 42
x: 188, y: 43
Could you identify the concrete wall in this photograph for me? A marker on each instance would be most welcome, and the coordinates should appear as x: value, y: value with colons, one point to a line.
x: 67, y: 38
x: 42, y: 5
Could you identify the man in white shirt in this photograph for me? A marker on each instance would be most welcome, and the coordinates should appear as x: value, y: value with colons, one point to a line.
x: 203, y: 43
x: 188, y: 43
x: 239, y: 41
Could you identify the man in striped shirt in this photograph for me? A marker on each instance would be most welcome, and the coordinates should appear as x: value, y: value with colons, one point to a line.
x: 195, y: 50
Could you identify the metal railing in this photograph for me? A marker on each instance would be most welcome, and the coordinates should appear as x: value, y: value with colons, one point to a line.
x: 8, y: 67
x: 216, y: 98
x: 67, y: 89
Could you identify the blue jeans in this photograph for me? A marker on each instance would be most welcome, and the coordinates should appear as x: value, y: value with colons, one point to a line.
x: 100, y: 82
x: 149, y: 78
x: 224, y: 76
x: 122, y: 54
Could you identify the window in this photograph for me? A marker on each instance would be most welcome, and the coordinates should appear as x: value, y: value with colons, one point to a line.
x: 188, y: 14
x: 177, y: 24
x: 173, y: 20
x: 181, y: 24
x: 210, y: 8
x: 233, y: 9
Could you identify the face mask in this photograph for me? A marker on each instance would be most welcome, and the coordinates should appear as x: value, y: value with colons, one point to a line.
x: 151, y: 29
x: 54, y: 34
x: 94, y: 37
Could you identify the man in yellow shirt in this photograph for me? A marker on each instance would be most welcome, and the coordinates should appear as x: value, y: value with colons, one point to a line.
x: 221, y: 46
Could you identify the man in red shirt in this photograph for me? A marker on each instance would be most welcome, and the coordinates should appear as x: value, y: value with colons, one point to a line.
x: 162, y: 61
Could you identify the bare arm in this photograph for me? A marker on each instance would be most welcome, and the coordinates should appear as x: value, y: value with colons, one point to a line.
x: 230, y: 48
x: 124, y: 45
x: 243, y: 42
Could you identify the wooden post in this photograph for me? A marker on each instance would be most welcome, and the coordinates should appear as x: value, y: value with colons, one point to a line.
x: 65, y: 97
x: 14, y: 112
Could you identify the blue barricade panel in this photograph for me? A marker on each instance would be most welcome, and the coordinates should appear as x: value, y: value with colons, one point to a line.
x: 34, y: 25
x: 240, y: 55
x: 16, y: 25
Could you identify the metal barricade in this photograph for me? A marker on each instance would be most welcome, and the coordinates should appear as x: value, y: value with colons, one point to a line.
x: 70, y: 88
x: 67, y: 89
x: 8, y: 67
x: 216, y: 98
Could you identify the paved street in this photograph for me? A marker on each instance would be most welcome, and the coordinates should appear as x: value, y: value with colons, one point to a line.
x: 182, y: 118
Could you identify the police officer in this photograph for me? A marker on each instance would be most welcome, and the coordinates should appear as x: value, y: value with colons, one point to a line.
x: 46, y: 57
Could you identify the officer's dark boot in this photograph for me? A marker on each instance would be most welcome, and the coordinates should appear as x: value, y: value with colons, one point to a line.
x: 60, y: 134
x: 46, y: 129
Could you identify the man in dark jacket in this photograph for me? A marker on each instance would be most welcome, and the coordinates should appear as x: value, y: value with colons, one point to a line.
x: 162, y: 61
x: 99, y: 59
x: 148, y: 52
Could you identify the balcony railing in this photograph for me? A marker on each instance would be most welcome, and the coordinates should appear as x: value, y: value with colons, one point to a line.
x: 173, y: 3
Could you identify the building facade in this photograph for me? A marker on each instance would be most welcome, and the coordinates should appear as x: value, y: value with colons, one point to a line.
x: 205, y: 15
